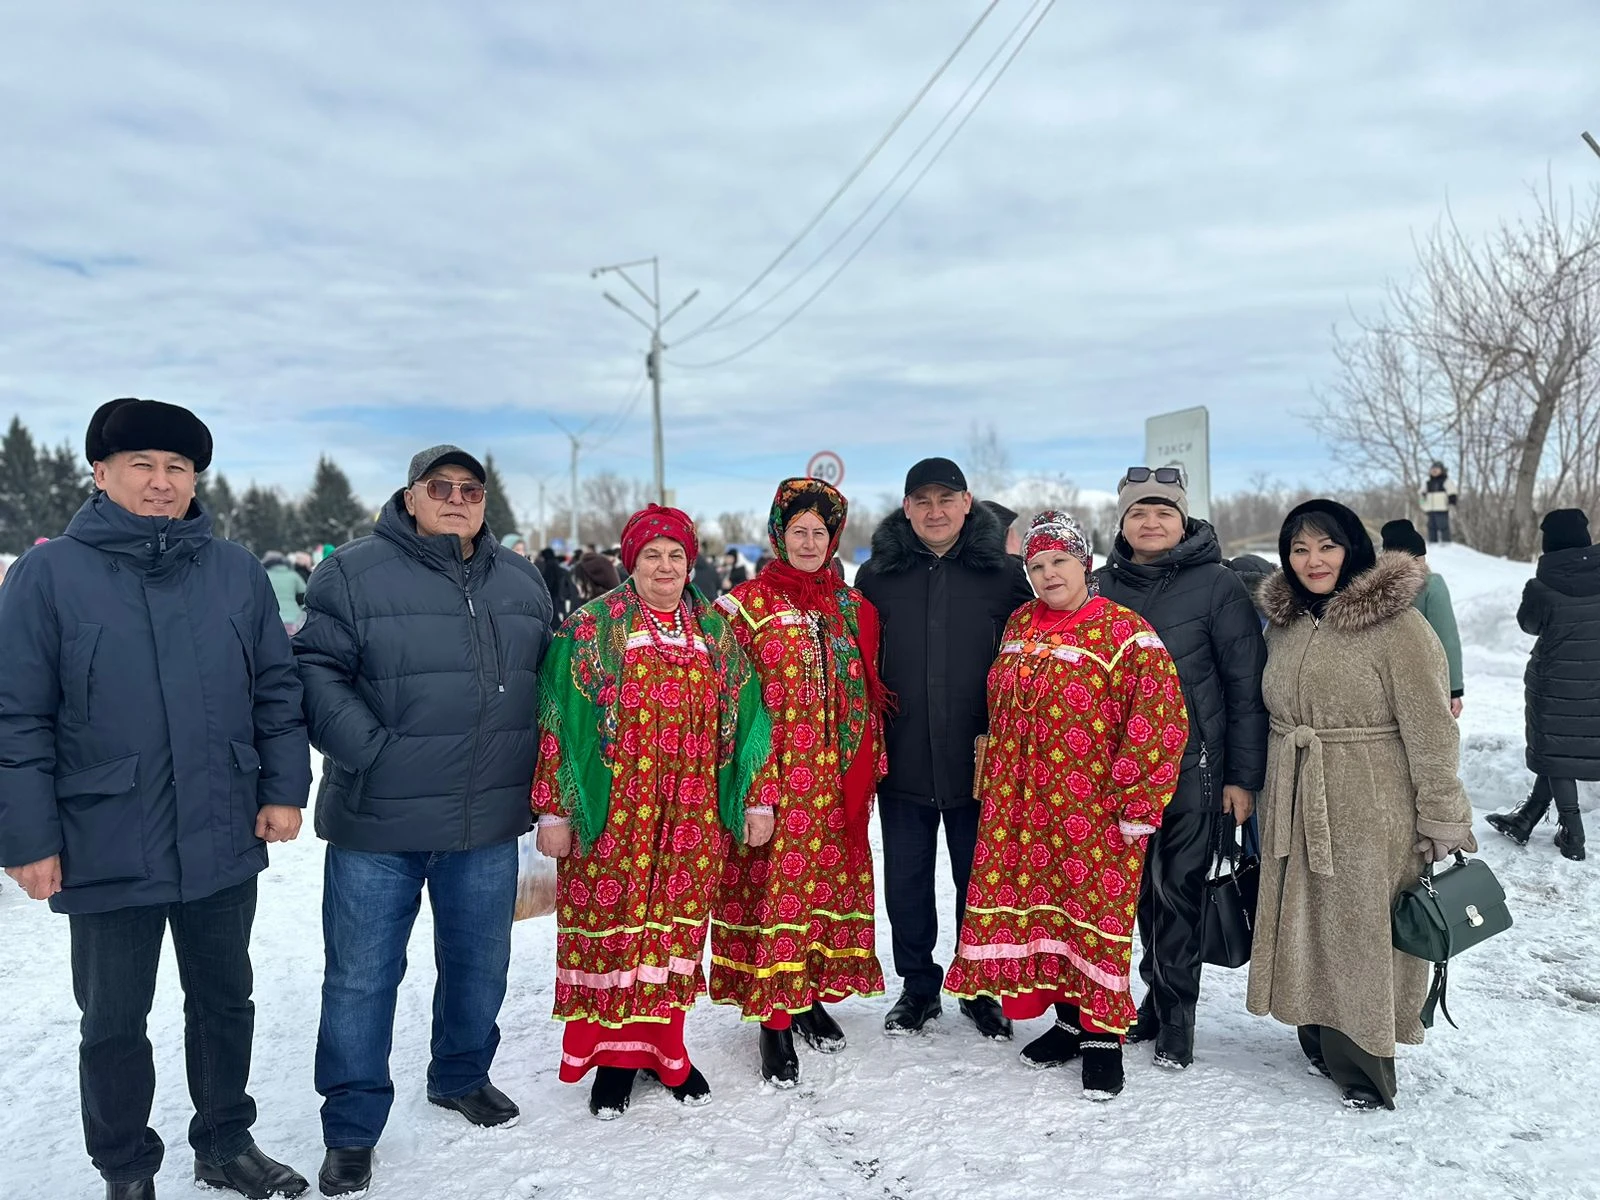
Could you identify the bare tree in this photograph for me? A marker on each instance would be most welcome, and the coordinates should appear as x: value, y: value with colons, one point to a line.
x: 740, y: 528
x: 988, y: 465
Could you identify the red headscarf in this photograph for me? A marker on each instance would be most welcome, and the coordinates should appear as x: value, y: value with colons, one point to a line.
x: 654, y: 521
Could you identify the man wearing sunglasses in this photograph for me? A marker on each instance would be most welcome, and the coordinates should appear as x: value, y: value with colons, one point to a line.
x: 420, y: 657
x: 1168, y: 568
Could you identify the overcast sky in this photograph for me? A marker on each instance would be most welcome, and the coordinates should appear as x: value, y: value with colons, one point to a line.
x: 361, y: 228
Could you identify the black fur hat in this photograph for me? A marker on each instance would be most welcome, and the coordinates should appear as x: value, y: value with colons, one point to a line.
x: 133, y: 424
x: 1402, y: 535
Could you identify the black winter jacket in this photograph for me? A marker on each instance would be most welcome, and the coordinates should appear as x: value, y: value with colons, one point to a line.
x: 942, y: 620
x: 421, y: 675
x: 1205, y: 615
x: 1561, y: 607
x: 149, y: 707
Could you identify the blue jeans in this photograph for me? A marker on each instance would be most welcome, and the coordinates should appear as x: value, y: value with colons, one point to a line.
x: 369, y: 904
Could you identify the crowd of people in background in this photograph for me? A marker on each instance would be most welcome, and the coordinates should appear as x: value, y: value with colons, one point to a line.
x: 699, y: 747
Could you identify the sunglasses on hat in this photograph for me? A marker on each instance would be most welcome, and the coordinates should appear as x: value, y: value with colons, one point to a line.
x: 1159, y: 474
x: 472, y: 492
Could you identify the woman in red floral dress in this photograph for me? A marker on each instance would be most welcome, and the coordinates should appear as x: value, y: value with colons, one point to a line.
x: 1086, y: 730
x: 793, y: 926
x: 654, y: 740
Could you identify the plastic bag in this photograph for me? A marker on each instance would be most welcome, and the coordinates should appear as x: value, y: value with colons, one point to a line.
x: 536, y: 880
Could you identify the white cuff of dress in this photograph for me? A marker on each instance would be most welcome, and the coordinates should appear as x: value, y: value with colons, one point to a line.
x: 546, y: 821
x: 1135, y: 829
x: 758, y: 810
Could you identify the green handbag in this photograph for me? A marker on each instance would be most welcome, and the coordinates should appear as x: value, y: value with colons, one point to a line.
x: 1441, y: 915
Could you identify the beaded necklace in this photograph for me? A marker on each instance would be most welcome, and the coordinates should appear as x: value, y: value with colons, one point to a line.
x: 662, y: 635
x: 1044, y: 642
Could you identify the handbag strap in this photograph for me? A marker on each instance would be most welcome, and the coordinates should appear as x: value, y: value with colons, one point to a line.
x: 1441, y: 969
x: 1436, y: 997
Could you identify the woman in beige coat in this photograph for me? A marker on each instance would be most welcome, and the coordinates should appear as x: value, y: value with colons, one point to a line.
x: 1362, y: 791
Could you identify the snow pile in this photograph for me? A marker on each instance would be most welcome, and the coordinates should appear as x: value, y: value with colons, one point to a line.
x: 1504, y: 1107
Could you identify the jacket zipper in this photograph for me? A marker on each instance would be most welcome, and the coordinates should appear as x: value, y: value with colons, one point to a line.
x: 477, y: 729
x: 499, y: 668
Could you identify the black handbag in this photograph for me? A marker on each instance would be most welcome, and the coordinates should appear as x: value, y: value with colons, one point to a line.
x: 1441, y: 915
x: 1228, y: 913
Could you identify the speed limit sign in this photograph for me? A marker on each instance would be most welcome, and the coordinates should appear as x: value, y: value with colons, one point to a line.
x: 826, y: 466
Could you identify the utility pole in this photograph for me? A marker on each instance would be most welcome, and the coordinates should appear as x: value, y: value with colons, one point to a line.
x: 577, y: 444
x: 653, y: 359
x: 1593, y: 145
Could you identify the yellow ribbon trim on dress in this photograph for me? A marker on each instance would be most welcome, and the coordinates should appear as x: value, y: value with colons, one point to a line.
x: 769, y: 972
x: 821, y: 912
x: 648, y: 926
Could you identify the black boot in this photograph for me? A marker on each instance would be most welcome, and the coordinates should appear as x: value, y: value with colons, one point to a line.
x: 346, y: 1170
x: 1175, y: 1045
x: 820, y: 1031
x: 694, y: 1091
x: 140, y: 1189
x: 611, y: 1092
x: 486, y: 1107
x: 780, y: 1065
x: 910, y: 1013
x: 1569, y: 838
x: 252, y: 1174
x: 1147, y: 1025
x: 1519, y: 822
x: 1102, y: 1066
x: 985, y: 1013
x: 1058, y: 1045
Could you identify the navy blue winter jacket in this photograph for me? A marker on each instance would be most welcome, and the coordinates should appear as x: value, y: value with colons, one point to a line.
x: 149, y: 705
x: 421, y: 673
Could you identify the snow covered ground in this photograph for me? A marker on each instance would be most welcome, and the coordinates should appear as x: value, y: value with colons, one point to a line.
x: 1504, y: 1107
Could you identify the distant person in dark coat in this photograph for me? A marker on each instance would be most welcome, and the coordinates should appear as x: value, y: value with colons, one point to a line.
x: 1438, y: 502
x: 420, y: 656
x: 595, y: 575
x: 558, y: 582
x: 1561, y: 608
x: 151, y: 745
x: 944, y: 588
x: 1167, y: 567
x: 1007, y: 518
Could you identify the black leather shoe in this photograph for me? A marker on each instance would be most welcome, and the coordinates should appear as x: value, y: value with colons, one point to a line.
x: 1362, y: 1099
x: 346, y: 1170
x: 984, y: 1012
x: 142, y: 1189
x: 910, y: 1013
x: 611, y: 1092
x: 820, y: 1031
x: 486, y: 1107
x: 780, y: 1065
x: 252, y: 1174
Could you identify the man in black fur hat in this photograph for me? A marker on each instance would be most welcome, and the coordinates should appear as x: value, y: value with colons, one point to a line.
x: 944, y: 587
x: 151, y: 744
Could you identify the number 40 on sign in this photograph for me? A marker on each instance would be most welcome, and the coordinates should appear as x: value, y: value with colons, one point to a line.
x: 826, y: 466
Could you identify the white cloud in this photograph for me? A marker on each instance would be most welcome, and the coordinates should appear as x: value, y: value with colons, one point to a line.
x: 360, y: 228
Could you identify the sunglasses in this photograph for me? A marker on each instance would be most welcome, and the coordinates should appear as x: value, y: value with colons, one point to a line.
x: 1159, y: 474
x: 472, y: 492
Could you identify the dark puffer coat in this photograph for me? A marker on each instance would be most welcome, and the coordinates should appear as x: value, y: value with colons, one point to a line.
x: 1561, y: 607
x: 149, y: 707
x: 421, y: 674
x: 942, y: 621
x: 1208, y: 620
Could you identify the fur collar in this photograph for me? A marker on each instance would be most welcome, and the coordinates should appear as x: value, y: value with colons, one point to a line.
x: 981, y: 546
x: 1367, y: 601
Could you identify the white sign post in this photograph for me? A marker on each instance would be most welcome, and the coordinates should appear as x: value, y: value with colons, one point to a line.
x: 826, y: 466
x: 1183, y: 439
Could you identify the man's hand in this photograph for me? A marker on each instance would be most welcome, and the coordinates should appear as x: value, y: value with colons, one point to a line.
x: 758, y: 828
x: 554, y: 841
x: 1455, y: 707
x: 1238, y: 803
x: 278, y: 823
x: 41, y: 879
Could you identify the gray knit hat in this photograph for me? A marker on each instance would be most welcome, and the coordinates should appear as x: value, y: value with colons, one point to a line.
x: 1146, y: 487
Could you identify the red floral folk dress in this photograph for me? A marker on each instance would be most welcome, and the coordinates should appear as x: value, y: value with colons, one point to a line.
x: 1087, y: 727
x: 794, y: 918
x: 631, y: 909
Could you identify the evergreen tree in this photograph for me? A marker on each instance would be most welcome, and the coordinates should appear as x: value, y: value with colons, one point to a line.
x: 497, y: 511
x: 216, y: 497
x: 330, y: 511
x: 261, y: 521
x: 64, y: 484
x: 20, y: 505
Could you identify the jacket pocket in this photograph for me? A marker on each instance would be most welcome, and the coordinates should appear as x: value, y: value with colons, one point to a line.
x: 77, y: 664
x: 247, y: 642
x: 246, y: 787
x: 102, y: 823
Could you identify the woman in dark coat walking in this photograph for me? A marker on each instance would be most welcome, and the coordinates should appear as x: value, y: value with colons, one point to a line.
x: 1561, y: 608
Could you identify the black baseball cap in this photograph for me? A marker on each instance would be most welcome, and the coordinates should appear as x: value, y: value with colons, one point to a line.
x: 940, y: 471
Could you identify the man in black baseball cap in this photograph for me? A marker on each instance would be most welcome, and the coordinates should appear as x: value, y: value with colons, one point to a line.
x: 943, y: 586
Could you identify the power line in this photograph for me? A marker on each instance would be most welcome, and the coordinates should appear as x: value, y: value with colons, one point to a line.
x: 849, y: 179
x: 884, y: 220
x: 632, y: 403
x: 889, y: 185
